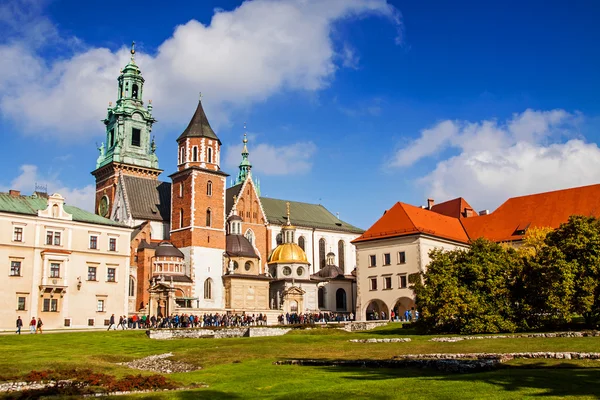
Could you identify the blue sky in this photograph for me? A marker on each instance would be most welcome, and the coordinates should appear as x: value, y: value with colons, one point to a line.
x: 355, y: 104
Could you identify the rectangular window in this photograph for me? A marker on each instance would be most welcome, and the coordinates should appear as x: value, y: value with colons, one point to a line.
x: 112, y: 244
x: 91, y: 273
x: 387, y: 282
x: 50, y: 305
x: 181, y: 189
x: 53, y: 238
x: 402, y: 281
x: 93, y: 242
x: 373, y: 283
x: 100, y: 306
x: 401, y: 257
x: 54, y: 270
x: 106, y: 322
x: 67, y: 321
x: 21, y: 304
x: 372, y: 261
x: 111, y: 275
x: 135, y: 137
x: 387, y: 259
x: 91, y: 322
x: 18, y: 234
x: 15, y: 268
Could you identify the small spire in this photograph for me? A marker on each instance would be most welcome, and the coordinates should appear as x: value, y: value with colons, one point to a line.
x: 287, y: 206
x: 132, y: 51
x: 200, y: 96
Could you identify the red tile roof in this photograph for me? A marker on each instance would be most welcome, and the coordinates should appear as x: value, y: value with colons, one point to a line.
x: 548, y: 209
x: 508, y: 223
x: 452, y: 208
x: 403, y: 219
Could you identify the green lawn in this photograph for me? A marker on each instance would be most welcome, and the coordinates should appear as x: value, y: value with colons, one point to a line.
x: 243, y: 368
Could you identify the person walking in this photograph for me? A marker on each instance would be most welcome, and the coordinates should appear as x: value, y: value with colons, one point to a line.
x: 39, y: 326
x: 32, y: 325
x: 111, y: 322
x: 19, y: 325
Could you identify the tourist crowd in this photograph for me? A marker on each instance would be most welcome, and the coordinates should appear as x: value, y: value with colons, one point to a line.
x: 190, y: 321
x: 311, y: 318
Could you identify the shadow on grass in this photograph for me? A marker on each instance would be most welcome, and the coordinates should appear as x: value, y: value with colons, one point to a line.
x: 393, y: 329
x: 564, y: 379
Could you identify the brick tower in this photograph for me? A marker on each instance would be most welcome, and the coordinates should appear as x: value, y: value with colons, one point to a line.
x: 198, y: 208
x: 129, y: 149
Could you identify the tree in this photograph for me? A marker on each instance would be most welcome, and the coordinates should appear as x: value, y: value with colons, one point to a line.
x: 534, y: 241
x: 579, y: 242
x: 469, y: 291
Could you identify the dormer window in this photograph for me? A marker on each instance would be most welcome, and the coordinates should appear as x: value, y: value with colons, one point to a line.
x: 55, y: 211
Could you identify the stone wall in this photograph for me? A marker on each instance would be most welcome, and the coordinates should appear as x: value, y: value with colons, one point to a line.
x: 363, y: 326
x: 254, y: 331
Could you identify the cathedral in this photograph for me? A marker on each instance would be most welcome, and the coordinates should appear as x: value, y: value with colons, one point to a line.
x: 199, y: 246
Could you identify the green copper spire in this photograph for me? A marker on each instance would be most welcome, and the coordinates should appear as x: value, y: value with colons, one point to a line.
x: 129, y: 123
x: 245, y: 166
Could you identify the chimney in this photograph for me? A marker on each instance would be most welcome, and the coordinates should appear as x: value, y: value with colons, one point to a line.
x: 484, y: 212
x: 14, y: 193
x: 430, y: 203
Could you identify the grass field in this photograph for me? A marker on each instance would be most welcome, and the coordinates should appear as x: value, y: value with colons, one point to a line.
x: 243, y: 368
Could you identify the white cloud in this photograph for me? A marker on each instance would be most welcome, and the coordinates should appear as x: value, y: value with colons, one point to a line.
x: 243, y: 55
x: 83, y: 197
x: 499, y: 160
x: 293, y: 159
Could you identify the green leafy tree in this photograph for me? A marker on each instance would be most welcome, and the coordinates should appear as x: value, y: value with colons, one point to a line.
x: 579, y: 241
x: 469, y: 291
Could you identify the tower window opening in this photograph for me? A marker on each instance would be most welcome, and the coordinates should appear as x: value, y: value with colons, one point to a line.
x: 136, y: 137
x: 111, y: 138
x: 181, y: 218
x: 195, y: 153
x: 182, y: 155
x: 134, y: 91
x: 209, y: 188
x: 209, y: 157
x: 208, y: 218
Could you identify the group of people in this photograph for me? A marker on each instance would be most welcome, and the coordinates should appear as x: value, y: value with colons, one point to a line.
x: 407, y: 316
x: 311, y: 318
x: 187, y: 321
x: 35, y: 325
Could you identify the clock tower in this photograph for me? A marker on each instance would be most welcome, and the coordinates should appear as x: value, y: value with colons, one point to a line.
x: 128, y: 149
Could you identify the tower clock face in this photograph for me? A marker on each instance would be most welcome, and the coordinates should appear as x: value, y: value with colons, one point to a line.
x: 103, y: 207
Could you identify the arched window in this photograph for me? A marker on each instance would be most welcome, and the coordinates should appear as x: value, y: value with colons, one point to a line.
x: 209, y: 158
x: 134, y: 91
x: 250, y: 236
x: 208, y: 289
x: 181, y: 218
x: 182, y: 155
x: 340, y: 300
x: 55, y: 211
x: 209, y: 188
x: 208, y: 218
x: 195, y: 153
x: 131, y: 286
x: 341, y: 248
x: 301, y: 243
x: 321, y: 253
x: 279, y: 239
x: 111, y: 137
x: 321, y: 297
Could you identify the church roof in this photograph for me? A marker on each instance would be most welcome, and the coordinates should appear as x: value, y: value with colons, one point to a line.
x: 329, y: 272
x: 403, y: 219
x: 149, y: 199
x: 305, y: 215
x: 230, y: 193
x: 511, y: 220
x: 199, y: 126
x: 239, y: 246
x: 30, y: 205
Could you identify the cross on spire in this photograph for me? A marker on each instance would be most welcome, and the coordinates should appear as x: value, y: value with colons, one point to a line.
x: 132, y: 51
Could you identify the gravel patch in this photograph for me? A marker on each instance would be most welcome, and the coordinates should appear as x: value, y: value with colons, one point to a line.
x: 384, y: 340
x: 161, y: 364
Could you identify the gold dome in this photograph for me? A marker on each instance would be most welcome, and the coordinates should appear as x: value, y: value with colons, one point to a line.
x: 288, y: 253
